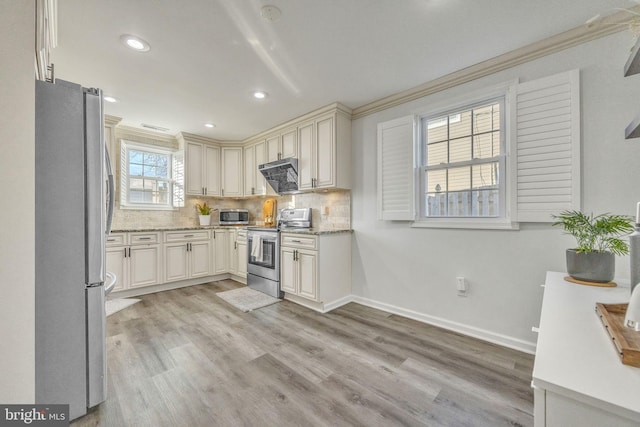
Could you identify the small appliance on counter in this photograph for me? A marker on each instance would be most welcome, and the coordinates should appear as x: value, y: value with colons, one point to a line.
x: 269, y: 212
x: 294, y: 218
x: 233, y: 217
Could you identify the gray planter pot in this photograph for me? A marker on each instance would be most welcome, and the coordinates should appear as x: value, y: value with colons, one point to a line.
x: 597, y: 267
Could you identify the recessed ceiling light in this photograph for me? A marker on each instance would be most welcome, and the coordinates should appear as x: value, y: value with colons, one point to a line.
x: 209, y: 125
x: 135, y: 43
x: 260, y: 94
x: 110, y: 99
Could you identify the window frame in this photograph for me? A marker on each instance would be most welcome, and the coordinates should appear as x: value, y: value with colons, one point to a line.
x: 505, y: 93
x: 125, y: 147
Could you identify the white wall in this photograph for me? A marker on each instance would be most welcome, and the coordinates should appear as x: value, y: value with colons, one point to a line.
x: 413, y: 270
x: 17, y: 219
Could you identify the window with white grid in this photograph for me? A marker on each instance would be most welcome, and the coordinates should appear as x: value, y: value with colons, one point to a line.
x: 147, y: 177
x: 463, y: 162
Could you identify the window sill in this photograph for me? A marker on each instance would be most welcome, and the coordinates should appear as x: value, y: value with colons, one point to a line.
x: 465, y: 224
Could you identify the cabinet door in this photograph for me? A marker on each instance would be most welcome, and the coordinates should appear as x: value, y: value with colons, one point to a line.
x: 220, y: 252
x: 200, y: 259
x: 233, y: 252
x: 260, y: 157
x: 193, y: 160
x: 116, y: 264
x: 144, y: 265
x: 232, y: 172
x: 249, y: 171
x: 242, y: 260
x: 325, y: 152
x: 306, y: 156
x: 175, y: 262
x: 288, y: 271
x: 308, y: 271
x: 289, y: 143
x: 212, y: 170
x: 273, y: 148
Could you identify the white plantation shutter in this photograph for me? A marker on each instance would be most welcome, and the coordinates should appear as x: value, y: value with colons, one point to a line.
x: 396, y: 169
x: 547, y: 147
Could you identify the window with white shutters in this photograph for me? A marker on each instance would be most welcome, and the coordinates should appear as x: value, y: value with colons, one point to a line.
x: 396, y: 169
x: 548, y: 147
x: 489, y: 163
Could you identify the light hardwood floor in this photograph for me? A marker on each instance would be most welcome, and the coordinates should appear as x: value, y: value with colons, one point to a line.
x: 187, y: 358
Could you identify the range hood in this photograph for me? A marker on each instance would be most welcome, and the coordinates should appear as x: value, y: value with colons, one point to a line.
x: 282, y: 175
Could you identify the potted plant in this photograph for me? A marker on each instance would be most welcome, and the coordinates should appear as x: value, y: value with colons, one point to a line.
x: 599, y: 239
x: 204, y: 213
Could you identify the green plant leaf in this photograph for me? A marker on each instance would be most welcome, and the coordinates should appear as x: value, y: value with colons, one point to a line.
x: 596, y: 234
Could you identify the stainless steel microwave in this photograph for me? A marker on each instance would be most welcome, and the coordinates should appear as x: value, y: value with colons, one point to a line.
x: 233, y: 216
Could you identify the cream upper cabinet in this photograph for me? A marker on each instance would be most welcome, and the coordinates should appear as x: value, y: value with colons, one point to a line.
x: 282, y: 145
x: 273, y: 148
x: 306, y: 158
x: 289, y: 144
x: 211, y: 166
x: 324, y: 152
x: 232, y: 172
x: 254, y: 182
x: 202, y: 169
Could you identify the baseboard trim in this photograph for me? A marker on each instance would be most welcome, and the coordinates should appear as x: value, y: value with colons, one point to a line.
x: 338, y: 303
x: 472, y: 331
x: 132, y: 292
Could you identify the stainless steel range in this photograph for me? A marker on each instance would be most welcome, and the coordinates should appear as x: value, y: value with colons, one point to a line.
x: 263, y: 247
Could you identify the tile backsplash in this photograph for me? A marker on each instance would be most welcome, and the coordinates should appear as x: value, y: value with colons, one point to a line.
x: 337, y: 205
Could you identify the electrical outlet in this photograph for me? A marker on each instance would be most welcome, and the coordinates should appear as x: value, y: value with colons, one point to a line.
x: 461, y: 286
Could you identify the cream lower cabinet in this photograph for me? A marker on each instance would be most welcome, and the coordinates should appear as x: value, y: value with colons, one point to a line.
x: 241, y: 252
x: 135, y: 258
x: 233, y: 252
x: 187, y: 255
x: 238, y: 252
x: 220, y: 257
x: 299, y: 272
x: 316, y: 268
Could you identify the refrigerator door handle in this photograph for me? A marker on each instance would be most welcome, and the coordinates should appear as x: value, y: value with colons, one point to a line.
x: 113, y: 279
x: 110, y: 192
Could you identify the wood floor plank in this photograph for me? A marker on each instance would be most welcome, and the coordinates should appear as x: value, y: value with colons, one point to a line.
x: 187, y: 358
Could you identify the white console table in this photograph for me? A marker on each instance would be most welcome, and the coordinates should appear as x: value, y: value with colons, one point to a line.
x: 578, y: 378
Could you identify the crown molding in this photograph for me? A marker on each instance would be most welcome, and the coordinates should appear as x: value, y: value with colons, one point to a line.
x: 111, y: 120
x: 192, y: 137
x: 335, y: 107
x: 128, y: 132
x: 609, y: 25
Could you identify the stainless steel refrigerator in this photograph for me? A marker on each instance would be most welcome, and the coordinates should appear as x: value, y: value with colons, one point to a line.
x: 74, y: 207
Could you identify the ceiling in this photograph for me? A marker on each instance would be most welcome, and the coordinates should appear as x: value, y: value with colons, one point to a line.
x: 207, y: 57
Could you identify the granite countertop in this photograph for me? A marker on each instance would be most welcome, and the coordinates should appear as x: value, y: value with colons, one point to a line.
x: 209, y: 227
x: 313, y: 231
